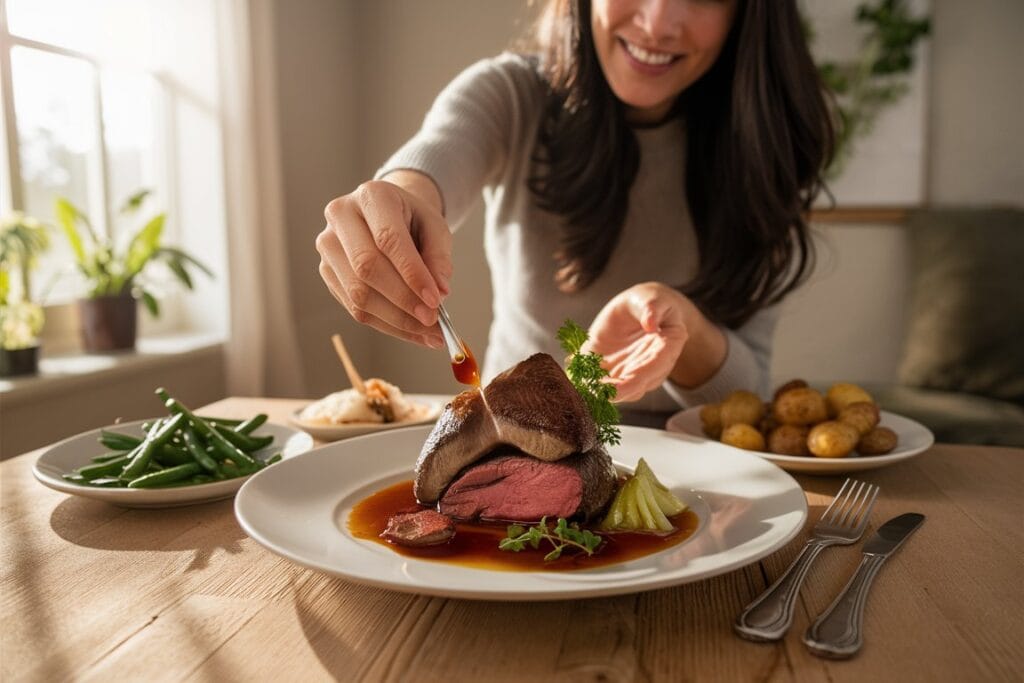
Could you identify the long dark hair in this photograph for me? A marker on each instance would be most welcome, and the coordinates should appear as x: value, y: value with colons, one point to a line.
x: 759, y: 135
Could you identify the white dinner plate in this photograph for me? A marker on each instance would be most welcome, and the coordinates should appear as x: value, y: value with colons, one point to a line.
x: 426, y: 409
x: 913, y: 438
x: 76, y: 451
x: 748, y: 508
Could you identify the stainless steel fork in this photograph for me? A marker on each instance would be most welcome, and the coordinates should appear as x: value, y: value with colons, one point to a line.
x: 843, y: 522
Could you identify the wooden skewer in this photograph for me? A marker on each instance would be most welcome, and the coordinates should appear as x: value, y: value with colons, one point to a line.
x: 350, y: 369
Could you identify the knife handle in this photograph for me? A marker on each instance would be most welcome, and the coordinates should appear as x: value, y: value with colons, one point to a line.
x: 837, y: 632
x: 770, y: 615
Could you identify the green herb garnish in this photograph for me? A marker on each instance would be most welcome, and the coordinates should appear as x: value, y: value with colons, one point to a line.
x: 563, y: 536
x: 585, y: 373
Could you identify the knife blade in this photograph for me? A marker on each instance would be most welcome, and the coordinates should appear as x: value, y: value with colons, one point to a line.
x: 891, y: 535
x: 837, y: 632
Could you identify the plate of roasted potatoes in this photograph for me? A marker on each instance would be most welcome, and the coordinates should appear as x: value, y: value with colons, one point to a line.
x: 804, y: 429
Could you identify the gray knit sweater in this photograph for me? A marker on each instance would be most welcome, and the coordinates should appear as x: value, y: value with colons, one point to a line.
x: 479, y: 136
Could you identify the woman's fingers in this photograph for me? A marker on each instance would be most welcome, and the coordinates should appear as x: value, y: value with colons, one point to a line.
x: 410, y: 329
x: 365, y: 270
x: 390, y: 215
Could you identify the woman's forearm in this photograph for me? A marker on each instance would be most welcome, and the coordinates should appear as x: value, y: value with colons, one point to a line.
x: 703, y: 353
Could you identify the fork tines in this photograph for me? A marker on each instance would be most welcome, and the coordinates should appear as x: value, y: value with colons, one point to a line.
x: 851, y: 505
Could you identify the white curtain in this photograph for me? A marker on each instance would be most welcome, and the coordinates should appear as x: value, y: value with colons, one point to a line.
x: 262, y: 351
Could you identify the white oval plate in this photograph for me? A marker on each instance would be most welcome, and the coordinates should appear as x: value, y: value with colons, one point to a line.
x: 913, y: 438
x: 76, y: 451
x: 748, y: 508
x: 427, y: 406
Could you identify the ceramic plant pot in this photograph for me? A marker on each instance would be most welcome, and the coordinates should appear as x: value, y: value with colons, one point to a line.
x: 108, y: 323
x: 19, y: 362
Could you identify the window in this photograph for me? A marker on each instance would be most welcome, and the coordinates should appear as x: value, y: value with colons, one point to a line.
x: 100, y: 99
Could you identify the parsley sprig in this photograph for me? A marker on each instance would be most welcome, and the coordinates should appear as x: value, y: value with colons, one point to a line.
x: 585, y: 373
x: 563, y: 536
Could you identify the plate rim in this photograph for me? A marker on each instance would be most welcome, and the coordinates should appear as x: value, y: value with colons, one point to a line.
x: 157, y: 497
x: 568, y: 591
x: 355, y: 429
x: 811, y: 464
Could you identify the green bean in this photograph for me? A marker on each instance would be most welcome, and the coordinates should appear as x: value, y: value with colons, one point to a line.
x: 195, y: 449
x: 107, y: 482
x: 165, y: 477
x: 244, y: 441
x: 230, y: 470
x: 103, y: 469
x: 215, y: 438
x: 253, y: 423
x: 154, y: 439
x: 117, y: 441
x: 274, y: 458
x: 226, y: 421
x: 170, y: 455
x: 107, y: 457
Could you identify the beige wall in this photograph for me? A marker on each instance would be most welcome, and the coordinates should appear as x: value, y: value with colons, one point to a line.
x: 977, y: 102
x: 357, y: 77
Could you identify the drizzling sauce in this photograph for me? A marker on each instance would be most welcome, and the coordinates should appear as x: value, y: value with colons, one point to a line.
x: 466, y: 370
x: 476, y: 545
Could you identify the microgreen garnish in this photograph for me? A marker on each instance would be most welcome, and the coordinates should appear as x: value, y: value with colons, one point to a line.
x: 585, y: 373
x: 562, y: 537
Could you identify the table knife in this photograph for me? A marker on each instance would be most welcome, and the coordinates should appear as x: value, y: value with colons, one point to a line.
x: 837, y: 632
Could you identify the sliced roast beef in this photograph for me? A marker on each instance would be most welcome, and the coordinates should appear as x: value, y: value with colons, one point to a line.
x: 421, y: 528
x: 521, y: 488
x: 532, y: 406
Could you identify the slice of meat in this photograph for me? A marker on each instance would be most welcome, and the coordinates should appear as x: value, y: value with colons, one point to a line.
x: 521, y: 488
x: 532, y: 406
x: 417, y: 529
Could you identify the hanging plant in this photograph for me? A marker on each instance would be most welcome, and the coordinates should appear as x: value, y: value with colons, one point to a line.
x: 877, y: 78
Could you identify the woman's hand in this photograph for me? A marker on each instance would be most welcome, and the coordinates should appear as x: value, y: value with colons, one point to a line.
x: 642, y: 332
x: 385, y: 254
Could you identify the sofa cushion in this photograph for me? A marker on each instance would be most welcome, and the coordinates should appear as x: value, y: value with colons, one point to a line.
x: 966, y: 315
x: 955, y: 417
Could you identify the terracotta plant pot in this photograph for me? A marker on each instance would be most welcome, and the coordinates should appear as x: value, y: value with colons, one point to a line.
x: 18, y: 362
x: 108, y: 323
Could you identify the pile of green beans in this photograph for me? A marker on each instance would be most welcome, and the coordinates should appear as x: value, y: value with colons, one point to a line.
x: 180, y: 450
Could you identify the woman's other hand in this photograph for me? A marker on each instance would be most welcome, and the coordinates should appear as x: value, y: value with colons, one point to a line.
x: 385, y: 255
x: 642, y: 333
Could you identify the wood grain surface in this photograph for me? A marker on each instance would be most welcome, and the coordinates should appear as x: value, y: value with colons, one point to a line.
x: 95, y: 592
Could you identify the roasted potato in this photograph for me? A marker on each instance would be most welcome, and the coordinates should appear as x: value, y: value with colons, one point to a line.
x: 862, y: 416
x: 832, y: 439
x: 878, y: 441
x: 789, y: 440
x: 711, y: 420
x: 800, y: 406
x: 791, y: 384
x: 744, y: 436
x: 741, y: 407
x: 843, y: 394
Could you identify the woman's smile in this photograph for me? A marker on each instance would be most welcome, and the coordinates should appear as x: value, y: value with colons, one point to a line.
x: 648, y: 61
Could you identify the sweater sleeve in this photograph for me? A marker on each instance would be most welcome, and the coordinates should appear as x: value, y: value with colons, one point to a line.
x: 466, y: 137
x: 746, y: 366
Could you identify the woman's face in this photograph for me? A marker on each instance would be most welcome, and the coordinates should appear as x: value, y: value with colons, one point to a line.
x: 652, y: 50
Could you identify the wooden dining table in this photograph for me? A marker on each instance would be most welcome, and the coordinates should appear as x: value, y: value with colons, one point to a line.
x: 97, y: 592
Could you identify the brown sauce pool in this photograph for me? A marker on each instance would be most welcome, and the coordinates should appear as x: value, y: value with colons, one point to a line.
x: 476, y: 544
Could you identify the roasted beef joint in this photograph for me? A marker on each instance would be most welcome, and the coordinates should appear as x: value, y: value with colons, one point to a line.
x: 522, y: 448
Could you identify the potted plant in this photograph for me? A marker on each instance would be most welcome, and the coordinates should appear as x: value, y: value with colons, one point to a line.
x: 22, y: 239
x: 116, y: 270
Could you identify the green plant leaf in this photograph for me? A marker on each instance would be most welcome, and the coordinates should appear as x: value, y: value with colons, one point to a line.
x: 67, y: 216
x: 143, y: 246
x: 182, y: 256
x: 132, y: 204
x: 151, y: 303
x: 179, y: 270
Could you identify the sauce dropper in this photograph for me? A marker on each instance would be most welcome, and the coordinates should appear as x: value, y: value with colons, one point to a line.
x: 463, y: 363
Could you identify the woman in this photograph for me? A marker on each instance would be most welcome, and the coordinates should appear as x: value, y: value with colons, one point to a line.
x: 645, y: 174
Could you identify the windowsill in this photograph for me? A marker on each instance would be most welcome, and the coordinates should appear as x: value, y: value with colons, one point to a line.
x: 62, y: 372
